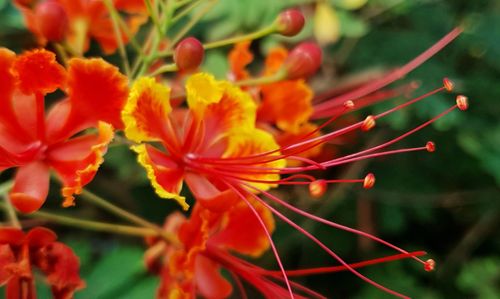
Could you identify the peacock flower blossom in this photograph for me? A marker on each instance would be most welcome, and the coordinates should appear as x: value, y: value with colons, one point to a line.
x: 218, y: 124
x: 35, y: 142
x: 77, y: 21
x: 207, y: 241
x: 20, y: 251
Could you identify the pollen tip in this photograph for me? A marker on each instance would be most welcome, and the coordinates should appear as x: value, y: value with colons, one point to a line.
x: 429, y: 265
x: 430, y: 146
x: 368, y: 123
x: 448, y: 84
x: 317, y: 188
x: 462, y: 102
x: 349, y: 104
x: 369, y: 181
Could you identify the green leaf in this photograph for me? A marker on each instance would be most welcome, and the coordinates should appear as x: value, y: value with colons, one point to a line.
x: 112, y: 272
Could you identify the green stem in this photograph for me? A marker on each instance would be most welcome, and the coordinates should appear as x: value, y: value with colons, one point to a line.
x: 9, y: 209
x: 116, y: 27
x: 101, y: 202
x: 232, y: 40
x: 196, y: 18
x: 278, y: 76
x: 94, y: 225
x: 186, y: 10
x: 165, y: 69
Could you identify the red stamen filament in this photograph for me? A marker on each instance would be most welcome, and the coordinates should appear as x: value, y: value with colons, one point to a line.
x: 319, y: 243
x: 333, y: 269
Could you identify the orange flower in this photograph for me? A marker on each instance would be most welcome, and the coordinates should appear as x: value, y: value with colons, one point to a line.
x: 76, y: 21
x: 220, y: 123
x: 20, y: 251
x: 206, y: 243
x: 34, y: 142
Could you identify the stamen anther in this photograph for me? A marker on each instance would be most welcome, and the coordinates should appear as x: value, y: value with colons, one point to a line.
x: 430, y: 147
x: 462, y: 102
x: 448, y: 84
x: 369, y: 181
x: 349, y: 104
x: 317, y: 188
x: 429, y: 265
x: 368, y: 123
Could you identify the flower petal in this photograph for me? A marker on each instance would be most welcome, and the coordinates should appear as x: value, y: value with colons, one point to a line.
x: 208, y: 195
x: 146, y: 110
x: 97, y: 92
x: 286, y: 103
x: 6, y: 258
x: 201, y: 90
x: 76, y: 161
x: 240, y: 219
x: 39, y: 72
x: 11, y: 235
x: 239, y: 57
x: 39, y: 237
x: 31, y: 186
x: 209, y: 280
x: 61, y: 267
x: 164, y: 174
x: 234, y: 111
x: 250, y: 142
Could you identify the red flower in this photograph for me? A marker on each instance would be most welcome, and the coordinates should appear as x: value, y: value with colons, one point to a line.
x: 35, y: 143
x: 81, y: 20
x: 20, y: 251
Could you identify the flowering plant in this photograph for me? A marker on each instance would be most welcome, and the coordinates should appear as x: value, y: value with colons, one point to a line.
x: 221, y: 148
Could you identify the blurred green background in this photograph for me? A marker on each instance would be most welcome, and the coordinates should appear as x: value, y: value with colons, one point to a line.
x: 446, y: 203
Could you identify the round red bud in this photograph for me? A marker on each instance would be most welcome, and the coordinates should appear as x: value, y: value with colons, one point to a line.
x: 303, y: 61
x: 189, y: 54
x: 290, y: 22
x: 52, y: 20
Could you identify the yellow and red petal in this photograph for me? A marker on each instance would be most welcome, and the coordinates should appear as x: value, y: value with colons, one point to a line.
x: 241, y: 218
x: 37, y: 71
x: 31, y: 186
x: 235, y: 111
x: 97, y: 92
x: 146, y: 111
x: 287, y: 104
x: 251, y: 142
x: 164, y: 174
x: 209, y: 280
x: 202, y: 90
x: 77, y: 160
x: 239, y: 57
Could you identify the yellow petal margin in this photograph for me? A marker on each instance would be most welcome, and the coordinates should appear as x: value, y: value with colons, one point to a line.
x: 144, y: 159
x: 146, y: 110
x: 202, y: 90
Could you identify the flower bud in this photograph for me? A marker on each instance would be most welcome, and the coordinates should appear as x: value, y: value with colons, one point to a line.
x: 290, y: 22
x: 52, y: 20
x: 189, y: 54
x: 303, y: 61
